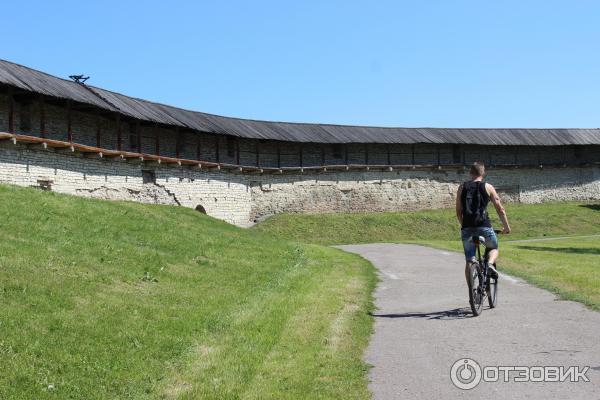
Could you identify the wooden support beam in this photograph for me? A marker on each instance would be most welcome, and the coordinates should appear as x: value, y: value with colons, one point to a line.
x: 119, y: 134
x: 322, y: 154
x: 438, y: 154
x: 389, y: 157
x: 11, y: 111
x: 98, y: 129
x: 217, y: 155
x: 237, y: 151
x: 177, y: 143
x: 198, y: 150
x: 258, y: 153
x: 138, y: 134
x: 302, y: 156
x: 366, y: 154
x: 7, y: 136
x: 412, y: 151
x: 346, y: 153
x: 69, y: 122
x: 278, y: 155
x: 113, y: 155
x: 157, y: 136
x: 129, y: 156
x: 42, y: 105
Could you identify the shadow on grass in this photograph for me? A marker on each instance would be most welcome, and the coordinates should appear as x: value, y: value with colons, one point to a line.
x: 457, y: 313
x: 572, y: 250
x: 595, y: 207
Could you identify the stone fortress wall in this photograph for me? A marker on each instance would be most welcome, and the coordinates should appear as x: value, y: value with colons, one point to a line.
x: 423, y: 176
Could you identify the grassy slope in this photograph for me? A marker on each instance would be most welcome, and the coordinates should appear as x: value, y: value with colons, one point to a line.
x: 568, y: 267
x: 122, y: 300
x: 527, y: 221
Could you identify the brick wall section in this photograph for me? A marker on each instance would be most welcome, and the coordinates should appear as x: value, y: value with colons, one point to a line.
x: 223, y: 195
x: 240, y: 198
x: 412, y: 190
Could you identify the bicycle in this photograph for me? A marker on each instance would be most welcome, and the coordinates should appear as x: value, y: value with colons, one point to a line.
x: 481, y: 284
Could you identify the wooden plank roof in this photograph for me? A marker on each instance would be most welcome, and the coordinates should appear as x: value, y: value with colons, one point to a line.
x: 28, y: 79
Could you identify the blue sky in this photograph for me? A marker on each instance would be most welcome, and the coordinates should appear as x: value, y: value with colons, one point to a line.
x: 390, y: 63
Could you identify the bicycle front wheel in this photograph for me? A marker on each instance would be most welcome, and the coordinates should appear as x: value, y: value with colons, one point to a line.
x: 474, y: 281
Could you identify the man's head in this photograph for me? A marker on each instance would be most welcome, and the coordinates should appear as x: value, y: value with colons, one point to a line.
x: 477, y: 170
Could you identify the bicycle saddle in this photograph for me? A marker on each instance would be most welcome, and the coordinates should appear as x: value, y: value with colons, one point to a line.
x: 478, y: 239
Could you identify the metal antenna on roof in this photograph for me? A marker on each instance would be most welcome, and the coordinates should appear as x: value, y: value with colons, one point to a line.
x: 79, y: 78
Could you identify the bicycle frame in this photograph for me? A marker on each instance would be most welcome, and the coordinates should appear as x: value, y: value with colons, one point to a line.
x: 483, y: 262
x: 481, y: 285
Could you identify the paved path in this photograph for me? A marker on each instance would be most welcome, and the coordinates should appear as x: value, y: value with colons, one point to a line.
x: 423, y: 325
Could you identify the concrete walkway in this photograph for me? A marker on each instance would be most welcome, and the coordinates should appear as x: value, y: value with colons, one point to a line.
x: 423, y: 325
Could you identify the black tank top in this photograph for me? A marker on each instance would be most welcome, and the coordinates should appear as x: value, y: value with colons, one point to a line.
x: 474, y: 201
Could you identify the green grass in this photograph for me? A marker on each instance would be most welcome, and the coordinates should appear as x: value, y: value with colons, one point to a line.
x: 106, y: 300
x: 568, y: 267
x: 527, y: 221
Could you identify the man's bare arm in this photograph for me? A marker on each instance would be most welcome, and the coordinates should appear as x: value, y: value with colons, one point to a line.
x: 499, y: 208
x: 459, y: 215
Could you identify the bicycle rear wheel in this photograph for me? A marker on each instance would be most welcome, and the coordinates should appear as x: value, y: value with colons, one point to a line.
x: 475, y: 284
x: 492, y: 291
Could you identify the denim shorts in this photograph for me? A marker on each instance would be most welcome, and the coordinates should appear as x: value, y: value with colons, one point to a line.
x: 466, y: 235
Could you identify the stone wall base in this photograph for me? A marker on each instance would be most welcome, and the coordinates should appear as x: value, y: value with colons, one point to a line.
x: 240, y: 199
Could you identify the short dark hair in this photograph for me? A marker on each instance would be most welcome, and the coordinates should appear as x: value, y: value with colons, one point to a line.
x: 477, y: 169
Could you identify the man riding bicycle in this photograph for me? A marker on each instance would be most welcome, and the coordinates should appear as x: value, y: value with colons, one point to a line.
x: 472, y: 200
